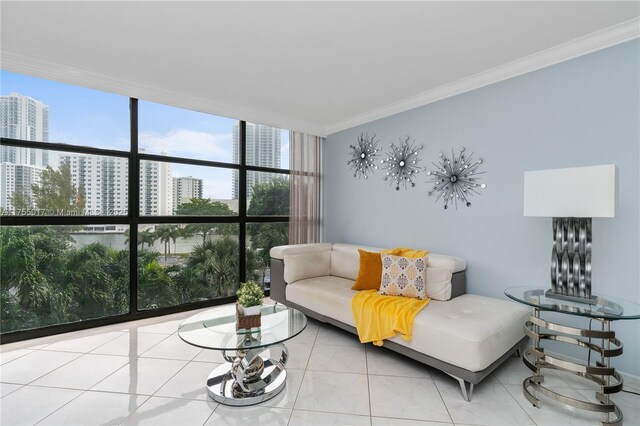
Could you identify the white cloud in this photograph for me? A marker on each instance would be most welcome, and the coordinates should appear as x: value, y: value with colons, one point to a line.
x: 188, y: 143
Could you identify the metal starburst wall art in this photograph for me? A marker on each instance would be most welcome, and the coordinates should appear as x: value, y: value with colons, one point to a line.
x: 455, y: 179
x: 363, y: 156
x: 402, y: 163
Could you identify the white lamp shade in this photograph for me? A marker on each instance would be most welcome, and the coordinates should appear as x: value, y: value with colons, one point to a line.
x: 574, y: 192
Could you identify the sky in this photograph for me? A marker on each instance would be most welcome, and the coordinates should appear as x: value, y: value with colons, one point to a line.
x: 98, y: 119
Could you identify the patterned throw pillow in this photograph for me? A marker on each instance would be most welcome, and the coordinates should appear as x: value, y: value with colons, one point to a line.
x: 404, y: 276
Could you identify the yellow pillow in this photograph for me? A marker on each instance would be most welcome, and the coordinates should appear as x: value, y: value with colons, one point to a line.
x: 407, y: 252
x: 370, y: 273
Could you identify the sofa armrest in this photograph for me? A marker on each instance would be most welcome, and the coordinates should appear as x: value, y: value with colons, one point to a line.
x: 278, y: 290
x: 279, y: 252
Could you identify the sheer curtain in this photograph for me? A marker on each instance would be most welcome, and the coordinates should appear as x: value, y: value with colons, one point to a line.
x: 304, y: 199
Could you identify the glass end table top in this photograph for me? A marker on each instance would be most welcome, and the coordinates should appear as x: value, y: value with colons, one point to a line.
x: 606, y: 307
x: 216, y: 328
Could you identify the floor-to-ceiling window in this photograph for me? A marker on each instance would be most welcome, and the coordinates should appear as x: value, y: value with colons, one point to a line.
x: 114, y: 209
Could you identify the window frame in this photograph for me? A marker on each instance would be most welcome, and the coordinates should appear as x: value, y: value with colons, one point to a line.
x: 133, y: 219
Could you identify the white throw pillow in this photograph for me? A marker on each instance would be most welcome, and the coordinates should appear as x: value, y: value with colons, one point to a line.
x: 404, y: 276
x: 309, y: 265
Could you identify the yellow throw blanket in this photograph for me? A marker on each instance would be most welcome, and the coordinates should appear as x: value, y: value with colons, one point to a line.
x: 382, y: 317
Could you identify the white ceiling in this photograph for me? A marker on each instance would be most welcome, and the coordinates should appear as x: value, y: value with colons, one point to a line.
x: 312, y: 66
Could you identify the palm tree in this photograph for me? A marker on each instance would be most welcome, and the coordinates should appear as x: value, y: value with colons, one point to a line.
x: 146, y: 237
x: 165, y: 233
x: 217, y: 263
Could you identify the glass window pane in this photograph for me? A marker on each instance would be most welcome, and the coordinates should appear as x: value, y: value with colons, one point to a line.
x: 41, y: 110
x: 261, y: 237
x: 186, y: 263
x: 168, y: 189
x: 266, y: 146
x: 184, y: 133
x: 61, y: 274
x: 267, y: 194
x: 52, y: 183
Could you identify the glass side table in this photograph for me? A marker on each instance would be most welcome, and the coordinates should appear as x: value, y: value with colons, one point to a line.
x: 606, y: 345
x: 256, y: 357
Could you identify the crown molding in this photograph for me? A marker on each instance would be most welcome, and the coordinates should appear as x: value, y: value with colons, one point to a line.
x: 52, y: 70
x: 610, y: 36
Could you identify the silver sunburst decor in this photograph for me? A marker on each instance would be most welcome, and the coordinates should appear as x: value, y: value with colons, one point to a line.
x: 363, y: 156
x: 402, y: 163
x: 456, y: 179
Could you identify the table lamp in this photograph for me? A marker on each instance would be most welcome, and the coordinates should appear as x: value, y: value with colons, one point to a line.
x: 571, y: 197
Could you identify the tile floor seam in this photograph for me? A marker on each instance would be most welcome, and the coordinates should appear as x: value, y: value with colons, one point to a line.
x: 435, y: 383
x: 9, y: 362
x: 20, y: 386
x: 137, y: 355
x: 57, y: 368
x: 60, y: 407
x: 366, y: 364
x: 131, y: 413
x: 518, y: 404
x: 176, y: 373
x: 304, y: 374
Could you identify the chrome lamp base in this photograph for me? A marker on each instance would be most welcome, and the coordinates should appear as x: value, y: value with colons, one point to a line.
x: 571, y: 260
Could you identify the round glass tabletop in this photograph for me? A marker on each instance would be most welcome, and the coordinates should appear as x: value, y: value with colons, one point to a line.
x: 606, y: 307
x: 216, y: 328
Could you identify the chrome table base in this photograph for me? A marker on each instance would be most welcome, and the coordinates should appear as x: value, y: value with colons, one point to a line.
x: 250, y: 376
x: 601, y: 373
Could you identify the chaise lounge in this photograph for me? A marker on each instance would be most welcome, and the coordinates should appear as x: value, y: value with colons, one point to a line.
x: 464, y: 335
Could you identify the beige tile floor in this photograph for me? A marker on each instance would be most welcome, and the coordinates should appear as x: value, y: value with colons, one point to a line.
x: 142, y: 373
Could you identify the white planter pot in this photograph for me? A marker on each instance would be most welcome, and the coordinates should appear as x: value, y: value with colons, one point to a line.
x: 251, y: 310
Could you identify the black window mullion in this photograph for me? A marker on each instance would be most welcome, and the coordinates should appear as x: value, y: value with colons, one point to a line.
x: 134, y: 207
x: 242, y: 202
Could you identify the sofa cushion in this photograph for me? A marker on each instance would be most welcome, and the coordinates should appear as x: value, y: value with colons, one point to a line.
x: 329, y: 296
x: 308, y: 265
x: 456, y: 264
x: 438, y: 283
x: 469, y: 331
x: 345, y: 260
x: 370, y: 272
x: 403, y: 276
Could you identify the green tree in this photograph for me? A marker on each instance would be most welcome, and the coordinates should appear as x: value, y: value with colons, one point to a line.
x: 166, y: 234
x: 155, y: 286
x: 57, y: 193
x: 217, y: 265
x: 20, y: 201
x: 270, y: 199
x: 206, y: 207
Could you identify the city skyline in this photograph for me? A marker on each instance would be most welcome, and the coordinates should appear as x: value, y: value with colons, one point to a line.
x: 93, y: 118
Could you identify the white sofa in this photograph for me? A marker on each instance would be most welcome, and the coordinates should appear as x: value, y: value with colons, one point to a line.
x: 466, y: 336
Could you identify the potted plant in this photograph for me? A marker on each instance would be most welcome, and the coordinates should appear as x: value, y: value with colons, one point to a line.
x: 250, y: 297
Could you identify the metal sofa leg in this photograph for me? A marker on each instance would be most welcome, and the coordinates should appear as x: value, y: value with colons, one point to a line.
x: 466, y: 394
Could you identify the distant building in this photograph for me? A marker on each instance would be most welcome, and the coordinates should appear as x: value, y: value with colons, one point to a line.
x: 263, y: 149
x: 185, y: 189
x: 156, y: 188
x: 27, y: 119
x: 17, y: 178
x: 103, y: 180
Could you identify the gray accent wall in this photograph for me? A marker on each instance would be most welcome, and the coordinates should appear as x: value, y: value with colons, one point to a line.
x: 581, y: 112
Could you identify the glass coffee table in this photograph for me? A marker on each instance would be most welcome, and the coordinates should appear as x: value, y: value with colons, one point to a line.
x: 256, y: 358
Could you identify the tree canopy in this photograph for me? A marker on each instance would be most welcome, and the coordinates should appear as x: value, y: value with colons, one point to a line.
x: 57, y: 192
x: 270, y: 199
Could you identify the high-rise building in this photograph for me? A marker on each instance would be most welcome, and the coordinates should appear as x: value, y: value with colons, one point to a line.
x: 17, y: 178
x: 263, y: 149
x: 156, y: 188
x: 186, y: 189
x: 24, y: 118
x: 103, y: 181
